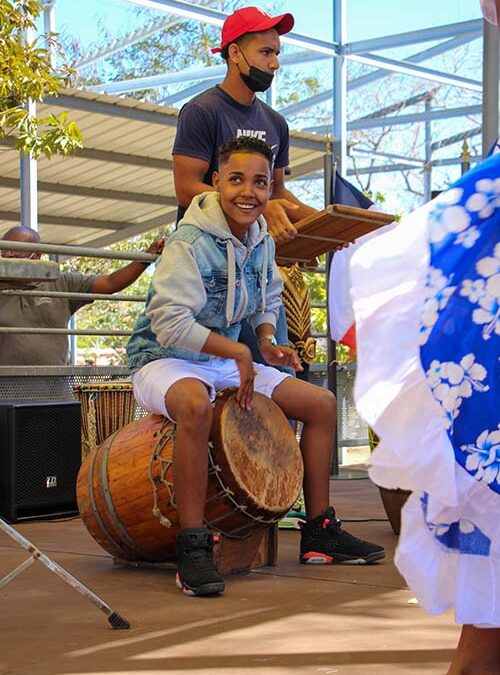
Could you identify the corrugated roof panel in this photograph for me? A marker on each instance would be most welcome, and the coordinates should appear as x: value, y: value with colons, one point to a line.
x: 127, y: 150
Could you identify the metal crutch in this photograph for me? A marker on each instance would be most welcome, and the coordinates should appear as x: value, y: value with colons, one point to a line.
x: 116, y: 621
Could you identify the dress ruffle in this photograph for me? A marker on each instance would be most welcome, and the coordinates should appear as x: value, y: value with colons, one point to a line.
x: 449, y: 549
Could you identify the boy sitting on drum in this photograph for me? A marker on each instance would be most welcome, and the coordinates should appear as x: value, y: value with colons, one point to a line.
x: 215, y: 270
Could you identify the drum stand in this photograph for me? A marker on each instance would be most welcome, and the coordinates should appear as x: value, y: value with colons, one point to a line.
x: 114, y: 618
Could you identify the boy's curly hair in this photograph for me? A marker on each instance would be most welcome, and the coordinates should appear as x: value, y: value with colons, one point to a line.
x: 245, y: 144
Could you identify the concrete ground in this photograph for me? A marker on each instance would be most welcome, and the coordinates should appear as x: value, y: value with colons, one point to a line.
x: 292, y: 618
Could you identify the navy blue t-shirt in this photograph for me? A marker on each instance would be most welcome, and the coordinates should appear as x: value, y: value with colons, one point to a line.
x: 213, y: 118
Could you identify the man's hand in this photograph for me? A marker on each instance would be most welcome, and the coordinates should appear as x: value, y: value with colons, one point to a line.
x: 157, y: 246
x: 247, y: 376
x: 278, y: 223
x: 277, y: 355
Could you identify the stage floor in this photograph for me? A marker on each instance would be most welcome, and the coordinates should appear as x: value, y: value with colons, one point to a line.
x: 292, y: 618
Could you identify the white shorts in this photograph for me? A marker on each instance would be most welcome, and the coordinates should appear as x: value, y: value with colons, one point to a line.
x: 152, y: 381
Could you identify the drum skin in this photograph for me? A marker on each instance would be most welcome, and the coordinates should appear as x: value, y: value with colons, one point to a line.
x: 255, y: 475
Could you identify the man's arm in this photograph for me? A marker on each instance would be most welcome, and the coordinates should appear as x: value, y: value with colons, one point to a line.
x: 188, y: 178
x: 120, y: 279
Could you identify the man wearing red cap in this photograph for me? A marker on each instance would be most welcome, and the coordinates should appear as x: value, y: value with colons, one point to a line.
x: 250, y: 46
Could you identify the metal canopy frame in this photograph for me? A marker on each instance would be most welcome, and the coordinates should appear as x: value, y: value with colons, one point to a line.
x: 448, y: 37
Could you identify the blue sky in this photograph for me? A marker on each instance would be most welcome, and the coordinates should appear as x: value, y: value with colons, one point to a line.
x: 366, y: 18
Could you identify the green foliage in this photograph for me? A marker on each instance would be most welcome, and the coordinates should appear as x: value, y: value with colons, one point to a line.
x: 26, y: 74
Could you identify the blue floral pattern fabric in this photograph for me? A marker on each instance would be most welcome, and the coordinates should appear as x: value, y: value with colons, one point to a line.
x: 460, y: 332
x: 427, y: 303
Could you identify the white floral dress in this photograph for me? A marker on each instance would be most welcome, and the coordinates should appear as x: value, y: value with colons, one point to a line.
x: 427, y: 305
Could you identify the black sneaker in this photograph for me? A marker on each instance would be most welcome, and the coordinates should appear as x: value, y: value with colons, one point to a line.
x: 324, y: 542
x: 196, y: 570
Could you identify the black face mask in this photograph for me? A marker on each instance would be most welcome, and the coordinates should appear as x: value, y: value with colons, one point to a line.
x: 256, y: 79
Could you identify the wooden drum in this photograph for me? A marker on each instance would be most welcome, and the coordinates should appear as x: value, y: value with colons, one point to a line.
x: 126, y: 492
x: 106, y: 407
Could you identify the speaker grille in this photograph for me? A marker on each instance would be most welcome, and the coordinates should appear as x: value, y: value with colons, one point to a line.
x: 45, y: 456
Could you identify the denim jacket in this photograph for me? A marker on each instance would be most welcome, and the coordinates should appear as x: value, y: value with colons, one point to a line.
x: 206, y: 280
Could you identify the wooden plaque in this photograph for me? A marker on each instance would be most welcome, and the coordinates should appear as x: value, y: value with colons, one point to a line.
x: 324, y: 231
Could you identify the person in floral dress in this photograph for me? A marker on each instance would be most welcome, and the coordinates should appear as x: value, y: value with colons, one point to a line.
x: 427, y: 304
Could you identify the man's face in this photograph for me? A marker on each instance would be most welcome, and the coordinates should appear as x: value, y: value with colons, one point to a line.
x: 18, y: 237
x: 6, y: 253
x: 245, y: 185
x: 261, y: 50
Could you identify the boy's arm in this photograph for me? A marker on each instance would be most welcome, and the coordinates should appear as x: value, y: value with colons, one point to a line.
x: 218, y: 345
x: 178, y: 296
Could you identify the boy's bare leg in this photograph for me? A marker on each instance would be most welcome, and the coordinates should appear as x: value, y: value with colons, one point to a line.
x: 189, y: 404
x: 477, y: 653
x: 317, y: 409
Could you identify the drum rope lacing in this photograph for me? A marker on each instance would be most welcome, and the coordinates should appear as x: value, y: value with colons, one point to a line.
x: 163, y: 437
x: 166, y: 434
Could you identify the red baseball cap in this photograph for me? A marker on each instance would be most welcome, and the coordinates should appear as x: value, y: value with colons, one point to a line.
x: 252, y: 20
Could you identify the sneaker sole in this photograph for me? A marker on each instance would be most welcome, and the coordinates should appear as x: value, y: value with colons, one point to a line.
x: 206, y: 589
x: 314, y: 558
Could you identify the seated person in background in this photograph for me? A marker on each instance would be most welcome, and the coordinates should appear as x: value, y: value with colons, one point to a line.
x: 184, y: 347
x: 49, y: 312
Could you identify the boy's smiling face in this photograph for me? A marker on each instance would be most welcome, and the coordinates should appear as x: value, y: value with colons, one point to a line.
x: 245, y: 185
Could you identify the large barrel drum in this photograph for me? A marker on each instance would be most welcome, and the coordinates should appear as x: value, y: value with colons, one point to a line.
x: 126, y: 491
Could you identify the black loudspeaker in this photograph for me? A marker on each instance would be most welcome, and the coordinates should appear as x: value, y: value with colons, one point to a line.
x: 40, y: 455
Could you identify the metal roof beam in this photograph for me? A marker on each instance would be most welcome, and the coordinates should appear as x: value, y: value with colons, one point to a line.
x: 416, y: 117
x: 383, y: 168
x: 414, y: 37
x: 46, y: 219
x: 133, y: 229
x: 94, y: 193
x: 399, y: 105
x: 152, y: 28
x: 451, y: 140
x: 108, y: 156
x: 405, y: 68
x: 453, y: 161
x: 216, y: 18
x: 161, y: 80
x: 386, y: 155
x: 186, y: 93
x: 378, y: 75
x: 189, y: 75
x: 307, y: 103
x: 299, y: 170
x: 419, y: 57
x: 112, y: 109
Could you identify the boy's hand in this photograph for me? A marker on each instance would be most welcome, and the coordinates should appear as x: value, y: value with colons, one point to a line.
x: 280, y: 356
x: 244, y: 362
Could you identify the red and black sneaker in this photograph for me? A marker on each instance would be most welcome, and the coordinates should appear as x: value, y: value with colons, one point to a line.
x: 196, y: 570
x: 324, y: 542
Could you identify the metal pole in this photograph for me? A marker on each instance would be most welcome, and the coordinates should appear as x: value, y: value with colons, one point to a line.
x: 334, y: 163
x: 491, y: 60
x: 331, y: 346
x: 116, y: 621
x: 28, y: 170
x: 339, y: 130
x: 49, y: 26
x: 428, y: 153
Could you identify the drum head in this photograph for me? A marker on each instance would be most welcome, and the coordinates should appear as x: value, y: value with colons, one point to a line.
x: 259, y: 454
